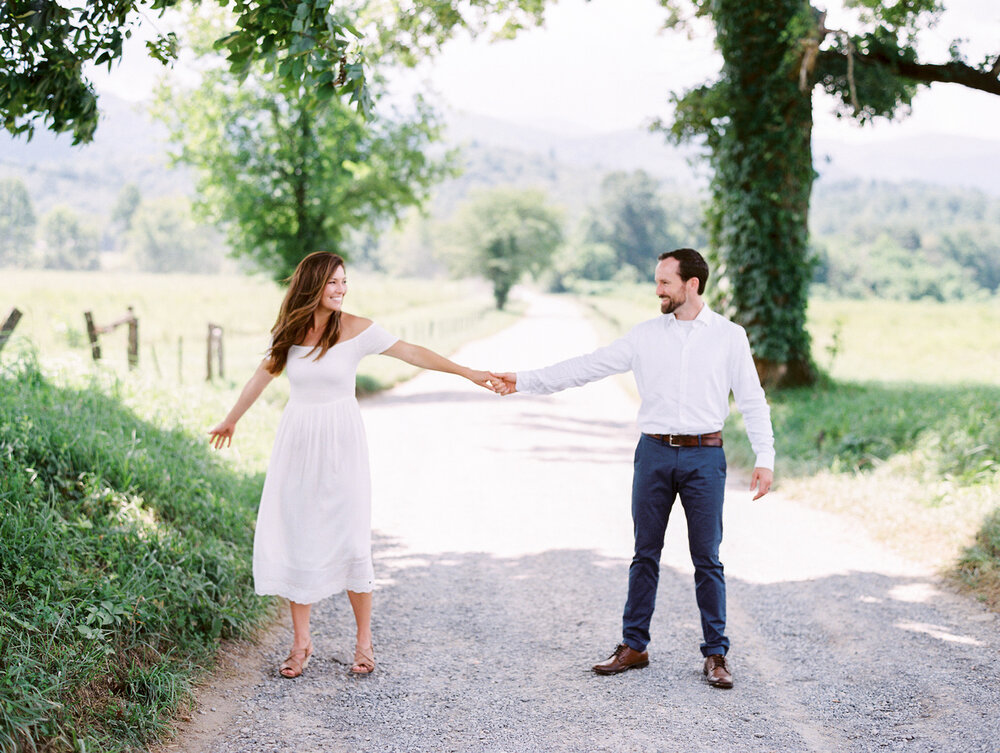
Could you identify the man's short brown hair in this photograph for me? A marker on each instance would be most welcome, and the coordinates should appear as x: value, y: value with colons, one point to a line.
x: 690, y: 264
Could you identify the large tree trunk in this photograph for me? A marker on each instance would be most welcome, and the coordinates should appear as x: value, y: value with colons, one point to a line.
x: 761, y: 186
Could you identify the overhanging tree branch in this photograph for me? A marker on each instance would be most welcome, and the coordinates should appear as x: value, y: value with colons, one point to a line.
x: 954, y: 72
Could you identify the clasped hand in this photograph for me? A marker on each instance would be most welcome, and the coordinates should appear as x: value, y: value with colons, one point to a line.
x: 502, y: 383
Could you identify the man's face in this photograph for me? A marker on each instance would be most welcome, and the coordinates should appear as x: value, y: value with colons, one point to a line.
x: 671, y: 290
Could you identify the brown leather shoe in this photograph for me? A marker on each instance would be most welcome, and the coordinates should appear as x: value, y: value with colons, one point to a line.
x: 717, y: 671
x: 623, y: 658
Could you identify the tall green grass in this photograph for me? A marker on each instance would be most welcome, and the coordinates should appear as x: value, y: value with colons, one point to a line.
x: 902, y: 431
x: 124, y: 559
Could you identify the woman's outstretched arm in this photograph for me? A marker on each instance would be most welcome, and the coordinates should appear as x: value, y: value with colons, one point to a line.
x: 222, y: 435
x: 427, y: 359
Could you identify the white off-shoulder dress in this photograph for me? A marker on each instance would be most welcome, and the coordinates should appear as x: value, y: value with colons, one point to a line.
x: 313, y: 536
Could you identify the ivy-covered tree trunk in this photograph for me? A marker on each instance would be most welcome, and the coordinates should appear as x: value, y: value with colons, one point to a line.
x: 757, y: 122
x: 761, y: 186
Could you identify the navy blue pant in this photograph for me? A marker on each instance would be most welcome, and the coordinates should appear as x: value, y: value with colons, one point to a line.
x: 698, y: 476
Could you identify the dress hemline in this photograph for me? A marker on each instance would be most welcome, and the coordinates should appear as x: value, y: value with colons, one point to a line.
x: 308, y: 597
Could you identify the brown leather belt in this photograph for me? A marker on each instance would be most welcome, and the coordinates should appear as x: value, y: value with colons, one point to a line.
x: 713, y: 439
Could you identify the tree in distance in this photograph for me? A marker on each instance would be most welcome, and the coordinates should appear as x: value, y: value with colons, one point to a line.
x: 630, y: 217
x: 68, y: 242
x: 639, y: 222
x: 128, y: 201
x: 756, y: 121
x: 17, y: 223
x: 163, y: 236
x: 503, y: 234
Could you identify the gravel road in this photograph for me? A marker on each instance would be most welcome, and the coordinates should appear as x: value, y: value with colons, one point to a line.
x: 502, y: 544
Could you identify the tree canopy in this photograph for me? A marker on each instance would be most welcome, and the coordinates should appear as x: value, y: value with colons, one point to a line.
x: 318, y: 45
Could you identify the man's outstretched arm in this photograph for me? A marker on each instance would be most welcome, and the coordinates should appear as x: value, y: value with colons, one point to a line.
x: 573, y: 372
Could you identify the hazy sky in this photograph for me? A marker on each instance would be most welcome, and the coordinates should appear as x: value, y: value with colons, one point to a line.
x: 605, y: 65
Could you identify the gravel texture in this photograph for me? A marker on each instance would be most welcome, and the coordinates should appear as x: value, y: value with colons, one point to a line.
x: 502, y: 543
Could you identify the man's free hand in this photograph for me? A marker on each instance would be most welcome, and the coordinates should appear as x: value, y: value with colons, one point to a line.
x: 761, y: 480
x: 507, y: 380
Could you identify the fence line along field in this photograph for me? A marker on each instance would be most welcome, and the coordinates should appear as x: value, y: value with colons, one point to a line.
x: 174, y: 313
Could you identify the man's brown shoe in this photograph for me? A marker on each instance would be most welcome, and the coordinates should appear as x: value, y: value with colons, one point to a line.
x: 717, y: 671
x: 623, y: 658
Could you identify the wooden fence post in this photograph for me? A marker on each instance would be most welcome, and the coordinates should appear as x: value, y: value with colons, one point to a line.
x: 133, y: 335
x: 95, y: 345
x: 213, y: 346
x: 218, y: 352
x: 8, y: 326
x: 133, y: 340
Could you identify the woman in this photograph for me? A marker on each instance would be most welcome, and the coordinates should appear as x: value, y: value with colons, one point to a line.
x: 313, y: 535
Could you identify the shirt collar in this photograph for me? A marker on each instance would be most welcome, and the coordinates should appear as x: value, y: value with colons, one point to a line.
x: 703, y: 319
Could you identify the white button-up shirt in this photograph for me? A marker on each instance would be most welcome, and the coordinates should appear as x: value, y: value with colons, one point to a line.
x: 684, y: 378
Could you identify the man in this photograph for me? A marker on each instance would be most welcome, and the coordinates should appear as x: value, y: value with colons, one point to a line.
x: 685, y: 363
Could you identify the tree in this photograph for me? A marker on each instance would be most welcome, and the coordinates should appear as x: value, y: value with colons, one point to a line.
x: 128, y: 201
x: 313, y: 45
x: 164, y: 237
x: 17, y: 223
x: 503, y: 234
x: 286, y: 173
x: 630, y: 218
x: 584, y: 260
x: 68, y: 242
x: 757, y: 123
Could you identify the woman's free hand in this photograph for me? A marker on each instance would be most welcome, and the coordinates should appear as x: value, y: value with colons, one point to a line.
x: 222, y: 435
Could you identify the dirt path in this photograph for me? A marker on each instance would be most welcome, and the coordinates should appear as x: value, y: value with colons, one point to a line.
x: 502, y: 549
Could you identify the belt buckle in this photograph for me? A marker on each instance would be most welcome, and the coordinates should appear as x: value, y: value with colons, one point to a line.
x: 670, y: 440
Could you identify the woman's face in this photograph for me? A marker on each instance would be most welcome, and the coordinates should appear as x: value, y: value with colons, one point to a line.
x: 335, y: 290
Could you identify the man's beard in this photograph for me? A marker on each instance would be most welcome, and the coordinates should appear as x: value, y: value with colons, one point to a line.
x: 669, y: 305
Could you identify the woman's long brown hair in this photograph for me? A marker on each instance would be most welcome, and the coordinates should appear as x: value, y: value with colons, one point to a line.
x: 305, y: 291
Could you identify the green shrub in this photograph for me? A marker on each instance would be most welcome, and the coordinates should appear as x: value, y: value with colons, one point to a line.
x: 124, y: 559
x: 854, y: 427
x: 979, y: 566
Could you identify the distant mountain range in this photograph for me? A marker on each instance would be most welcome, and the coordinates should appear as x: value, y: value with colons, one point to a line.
x: 129, y: 148
x: 939, y: 160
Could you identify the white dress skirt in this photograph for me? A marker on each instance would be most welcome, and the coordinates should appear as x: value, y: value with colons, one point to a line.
x: 313, y: 535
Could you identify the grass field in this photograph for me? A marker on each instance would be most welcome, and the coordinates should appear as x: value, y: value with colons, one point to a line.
x: 903, y: 436
x: 174, y: 312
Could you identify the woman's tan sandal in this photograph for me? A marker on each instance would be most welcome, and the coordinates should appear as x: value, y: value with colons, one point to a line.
x: 296, y: 662
x: 364, y: 660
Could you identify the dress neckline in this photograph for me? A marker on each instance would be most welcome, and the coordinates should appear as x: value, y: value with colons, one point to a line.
x: 339, y: 342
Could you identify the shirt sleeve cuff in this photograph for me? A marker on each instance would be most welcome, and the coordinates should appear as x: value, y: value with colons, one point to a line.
x: 525, y: 382
x: 765, y: 460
